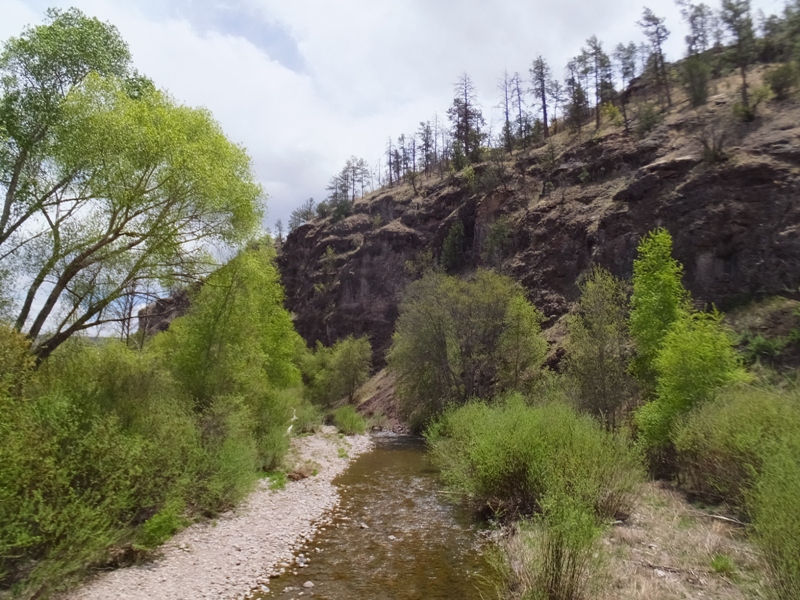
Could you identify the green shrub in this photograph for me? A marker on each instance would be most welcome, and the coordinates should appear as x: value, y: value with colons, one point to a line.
x: 697, y: 359
x: 782, y: 80
x: 513, y: 458
x: 348, y: 421
x: 564, y: 540
x: 497, y: 243
x: 696, y: 73
x: 659, y: 300
x: 162, y: 525
x: 722, y: 445
x: 649, y: 118
x: 558, y: 466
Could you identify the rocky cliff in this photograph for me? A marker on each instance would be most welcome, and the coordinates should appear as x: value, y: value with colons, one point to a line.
x: 734, y: 218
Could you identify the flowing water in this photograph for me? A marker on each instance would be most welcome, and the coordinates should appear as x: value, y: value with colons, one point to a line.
x: 393, y: 537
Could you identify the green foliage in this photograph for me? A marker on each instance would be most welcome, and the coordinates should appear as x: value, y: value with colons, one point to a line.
x: 108, y: 446
x: 782, y: 80
x: 659, y: 300
x: 515, y: 459
x: 162, y: 525
x: 564, y: 540
x: 722, y: 445
x: 497, y: 243
x: 723, y: 565
x: 612, y: 114
x: 337, y: 372
x: 598, y: 349
x: 775, y: 510
x: 547, y: 462
x: 452, y: 256
x: 649, y: 119
x: 112, y: 185
x: 348, y: 421
x: 696, y: 74
x: 457, y: 339
x: 696, y: 359
x: 744, y: 449
x: 239, y: 342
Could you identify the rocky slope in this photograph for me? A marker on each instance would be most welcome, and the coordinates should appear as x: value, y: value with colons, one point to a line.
x: 735, y: 222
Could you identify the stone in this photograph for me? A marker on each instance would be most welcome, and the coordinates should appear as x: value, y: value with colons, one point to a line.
x: 308, y: 584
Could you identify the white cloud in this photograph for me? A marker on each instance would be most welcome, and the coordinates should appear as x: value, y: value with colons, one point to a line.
x: 367, y: 69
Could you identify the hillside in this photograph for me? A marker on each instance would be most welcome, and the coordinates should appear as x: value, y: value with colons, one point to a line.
x: 580, y: 200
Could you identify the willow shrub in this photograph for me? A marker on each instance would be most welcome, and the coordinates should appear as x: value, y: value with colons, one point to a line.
x: 744, y: 449
x: 513, y: 457
x: 561, y: 468
x: 348, y: 421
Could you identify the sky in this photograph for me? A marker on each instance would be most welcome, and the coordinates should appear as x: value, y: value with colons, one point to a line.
x: 304, y: 84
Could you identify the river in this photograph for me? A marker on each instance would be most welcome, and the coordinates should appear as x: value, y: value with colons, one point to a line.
x: 393, y: 536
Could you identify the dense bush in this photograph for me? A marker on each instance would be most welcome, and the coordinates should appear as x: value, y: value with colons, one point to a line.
x: 337, y: 372
x: 722, y: 445
x: 548, y: 462
x: 782, y: 80
x: 696, y: 359
x: 348, y: 421
x: 744, y: 449
x: 459, y: 339
x: 775, y: 510
x: 515, y: 458
x: 108, y: 447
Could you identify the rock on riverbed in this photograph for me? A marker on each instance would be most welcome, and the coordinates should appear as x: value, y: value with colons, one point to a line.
x: 242, y: 549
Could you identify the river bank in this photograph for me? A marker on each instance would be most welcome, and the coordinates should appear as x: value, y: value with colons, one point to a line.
x: 232, y: 555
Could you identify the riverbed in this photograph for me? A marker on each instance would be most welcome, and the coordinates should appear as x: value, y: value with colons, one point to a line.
x: 394, y: 535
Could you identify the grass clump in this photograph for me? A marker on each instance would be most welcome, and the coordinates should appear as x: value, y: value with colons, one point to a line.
x: 348, y: 421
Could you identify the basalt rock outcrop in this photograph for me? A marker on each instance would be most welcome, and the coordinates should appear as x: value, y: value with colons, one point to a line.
x: 735, y: 221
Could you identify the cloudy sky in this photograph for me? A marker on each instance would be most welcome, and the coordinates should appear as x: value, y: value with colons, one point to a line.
x: 303, y: 84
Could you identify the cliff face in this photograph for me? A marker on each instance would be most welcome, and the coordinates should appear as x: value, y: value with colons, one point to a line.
x: 735, y: 223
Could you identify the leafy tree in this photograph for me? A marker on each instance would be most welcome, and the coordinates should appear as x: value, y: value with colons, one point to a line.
x: 109, y: 184
x: 459, y: 339
x: 337, y: 372
x: 237, y: 338
x: 736, y: 16
x: 659, y: 300
x: 598, y: 349
x: 657, y: 34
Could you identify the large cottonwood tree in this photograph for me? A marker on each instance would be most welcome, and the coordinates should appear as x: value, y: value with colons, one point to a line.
x: 109, y: 185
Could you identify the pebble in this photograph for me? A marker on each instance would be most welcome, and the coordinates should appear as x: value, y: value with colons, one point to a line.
x: 238, y: 553
x: 308, y: 584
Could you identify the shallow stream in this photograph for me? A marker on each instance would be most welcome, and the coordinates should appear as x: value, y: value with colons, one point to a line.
x: 393, y: 536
